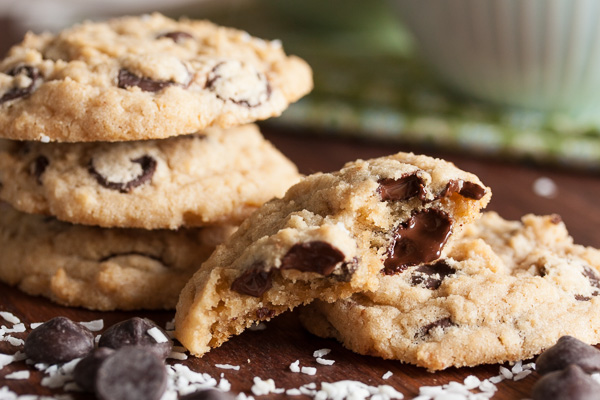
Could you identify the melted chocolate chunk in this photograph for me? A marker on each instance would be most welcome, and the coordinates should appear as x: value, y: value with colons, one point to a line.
x: 85, y: 371
x: 440, y: 323
x: 127, y: 79
x: 346, y: 270
x: 148, y: 168
x: 431, y: 275
x: 580, y: 297
x: 569, y: 350
x: 570, y: 383
x: 264, y: 313
x: 401, y: 189
x: 254, y: 282
x: 37, y: 168
x: 208, y: 394
x: 317, y: 256
x: 131, y: 373
x: 134, y: 332
x: 32, y: 73
x: 418, y: 240
x: 176, y: 36
x: 465, y: 189
x: 58, y: 340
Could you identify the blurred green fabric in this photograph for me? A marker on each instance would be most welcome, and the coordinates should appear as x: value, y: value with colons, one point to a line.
x: 370, y: 83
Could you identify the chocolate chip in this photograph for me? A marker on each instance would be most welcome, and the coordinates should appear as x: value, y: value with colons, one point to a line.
x: 176, y: 36
x: 418, y: 240
x: 58, y: 340
x: 37, y: 168
x: 264, y: 313
x: 208, y: 394
x: 442, y: 323
x: 31, y: 72
x: 148, y: 165
x: 466, y: 189
x: 316, y: 256
x: 131, y: 373
x: 86, y: 369
x: 431, y: 275
x: 346, y: 270
x: 254, y: 282
x: 134, y: 332
x: 580, y: 297
x: 571, y: 383
x: 401, y: 189
x: 592, y: 277
x: 569, y: 350
x: 127, y: 79
x: 555, y: 219
x: 239, y: 83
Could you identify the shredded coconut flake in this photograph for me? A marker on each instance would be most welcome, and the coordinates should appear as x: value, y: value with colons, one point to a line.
x: 295, y: 366
x: 520, y: 375
x: 263, y: 387
x: 44, y: 138
x: 157, y: 335
x: 308, y: 370
x: 505, y: 372
x: 321, y: 352
x: 36, y: 324
x: 228, y: 366
x: 178, y: 356
x: 545, y: 187
x: 14, y: 341
x: 387, y: 375
x: 260, y: 326
x: 94, y: 325
x: 18, y: 375
x: 9, y: 317
x: 324, y: 361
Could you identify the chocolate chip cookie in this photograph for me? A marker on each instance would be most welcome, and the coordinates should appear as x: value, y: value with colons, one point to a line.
x: 503, y: 291
x: 98, y: 268
x: 218, y: 176
x: 145, y: 77
x: 326, y: 238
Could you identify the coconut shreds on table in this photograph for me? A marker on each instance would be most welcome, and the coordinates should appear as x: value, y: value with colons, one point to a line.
x: 182, y: 380
x: 157, y: 335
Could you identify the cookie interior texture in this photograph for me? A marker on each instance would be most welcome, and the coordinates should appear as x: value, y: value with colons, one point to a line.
x: 144, y: 77
x: 503, y: 291
x: 325, y: 239
x: 98, y: 268
x: 216, y: 177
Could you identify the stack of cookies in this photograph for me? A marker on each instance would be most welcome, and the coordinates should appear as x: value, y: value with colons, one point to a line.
x: 128, y: 154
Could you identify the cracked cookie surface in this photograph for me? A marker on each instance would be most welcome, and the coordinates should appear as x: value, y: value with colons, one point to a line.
x: 146, y: 77
x: 325, y: 239
x: 219, y: 176
x: 99, y: 268
x: 502, y: 291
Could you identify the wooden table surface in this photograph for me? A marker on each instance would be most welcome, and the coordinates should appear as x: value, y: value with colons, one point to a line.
x: 268, y: 353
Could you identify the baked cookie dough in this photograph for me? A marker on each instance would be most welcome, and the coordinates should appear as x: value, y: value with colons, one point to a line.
x: 145, y: 77
x: 217, y: 177
x: 504, y: 291
x: 97, y: 268
x: 325, y: 239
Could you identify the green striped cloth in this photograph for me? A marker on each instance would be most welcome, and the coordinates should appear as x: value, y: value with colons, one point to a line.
x: 369, y: 83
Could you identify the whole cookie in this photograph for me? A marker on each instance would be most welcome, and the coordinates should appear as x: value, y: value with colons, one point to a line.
x: 98, y: 268
x: 145, y: 77
x: 217, y: 177
x: 325, y: 239
x: 504, y: 291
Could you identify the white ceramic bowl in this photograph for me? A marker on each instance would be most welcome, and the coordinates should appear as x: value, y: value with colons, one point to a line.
x: 540, y: 54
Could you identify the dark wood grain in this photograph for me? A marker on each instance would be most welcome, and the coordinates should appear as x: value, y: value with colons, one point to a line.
x: 268, y: 354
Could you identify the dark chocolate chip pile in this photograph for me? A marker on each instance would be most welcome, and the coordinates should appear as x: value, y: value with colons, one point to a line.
x: 565, y: 368
x: 58, y: 340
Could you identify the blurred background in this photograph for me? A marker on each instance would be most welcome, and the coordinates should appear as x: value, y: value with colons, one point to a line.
x: 411, y: 71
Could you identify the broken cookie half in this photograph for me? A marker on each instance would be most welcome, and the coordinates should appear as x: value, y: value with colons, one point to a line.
x: 331, y: 235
